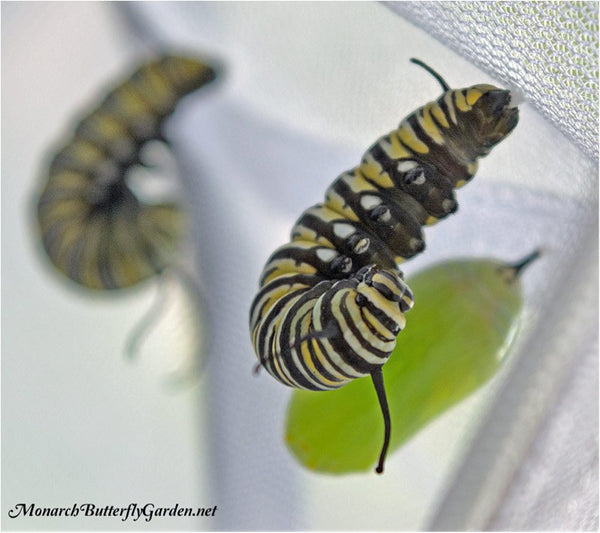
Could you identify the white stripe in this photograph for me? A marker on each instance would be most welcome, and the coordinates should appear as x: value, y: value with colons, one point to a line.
x: 328, y: 350
x: 450, y: 105
x: 342, y: 230
x: 303, y: 313
x: 406, y: 165
x: 354, y: 342
x: 368, y: 201
x: 326, y: 254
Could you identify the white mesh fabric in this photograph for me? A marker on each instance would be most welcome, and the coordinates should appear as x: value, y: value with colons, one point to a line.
x: 533, y: 462
x: 547, y: 49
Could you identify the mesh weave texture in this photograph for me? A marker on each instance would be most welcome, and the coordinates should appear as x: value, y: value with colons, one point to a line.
x: 547, y: 49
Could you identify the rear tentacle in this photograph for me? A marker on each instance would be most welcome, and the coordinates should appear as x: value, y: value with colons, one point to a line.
x: 377, y: 377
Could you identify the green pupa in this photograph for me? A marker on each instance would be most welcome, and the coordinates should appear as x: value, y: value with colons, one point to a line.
x: 465, y: 319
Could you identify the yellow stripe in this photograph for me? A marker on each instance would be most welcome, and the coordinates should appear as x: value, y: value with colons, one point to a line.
x: 276, y: 367
x: 357, y: 182
x: 130, y: 103
x: 461, y: 102
x: 332, y: 355
x: 364, y: 333
x: 277, y: 354
x: 335, y: 202
x: 410, y: 139
x: 302, y: 233
x: 327, y: 365
x: 83, y: 152
x: 157, y: 89
x: 128, y: 263
x: 377, y: 325
x: 287, y: 266
x: 305, y: 353
x: 66, y: 241
x: 70, y: 210
x: 106, y: 125
x: 90, y: 272
x: 374, y: 171
x: 315, y: 374
x: 67, y: 179
x: 391, y: 285
x: 163, y: 224
x: 324, y: 213
x: 450, y: 105
x: 394, y: 149
x: 299, y: 244
x: 390, y: 308
x: 184, y: 69
x: 268, y: 300
x: 428, y: 125
x: 473, y: 95
x: 439, y: 115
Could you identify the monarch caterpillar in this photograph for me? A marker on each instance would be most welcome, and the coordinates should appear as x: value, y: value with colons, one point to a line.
x: 332, y: 301
x: 94, y: 229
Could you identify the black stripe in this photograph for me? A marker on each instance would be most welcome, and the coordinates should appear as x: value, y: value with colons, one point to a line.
x: 381, y: 316
x: 440, y: 126
x: 271, y: 316
x: 303, y: 279
x: 106, y: 259
x: 337, y: 342
x: 444, y: 107
x: 429, y: 195
x: 284, y: 337
x: 365, y: 345
x: 140, y: 80
x: 378, y: 251
x: 325, y: 288
x: 397, y: 232
x: 336, y: 268
x: 372, y: 329
x: 88, y: 130
x: 438, y: 155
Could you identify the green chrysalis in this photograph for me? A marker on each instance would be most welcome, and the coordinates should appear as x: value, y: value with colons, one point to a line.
x: 465, y: 318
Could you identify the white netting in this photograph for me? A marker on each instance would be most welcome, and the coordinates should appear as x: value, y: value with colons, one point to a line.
x: 515, y: 477
x: 547, y: 49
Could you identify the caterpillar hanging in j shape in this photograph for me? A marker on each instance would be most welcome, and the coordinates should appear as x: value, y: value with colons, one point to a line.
x: 332, y: 301
x: 94, y: 228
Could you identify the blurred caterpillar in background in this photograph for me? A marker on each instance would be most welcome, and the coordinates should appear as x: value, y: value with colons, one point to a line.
x: 94, y: 228
x: 332, y: 301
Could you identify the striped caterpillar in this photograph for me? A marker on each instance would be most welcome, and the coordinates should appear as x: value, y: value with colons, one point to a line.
x: 94, y: 229
x: 332, y: 301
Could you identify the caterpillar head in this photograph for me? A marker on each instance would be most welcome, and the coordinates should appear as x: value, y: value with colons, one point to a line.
x: 383, y: 298
x: 493, y: 113
x: 490, y: 113
x: 188, y: 73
